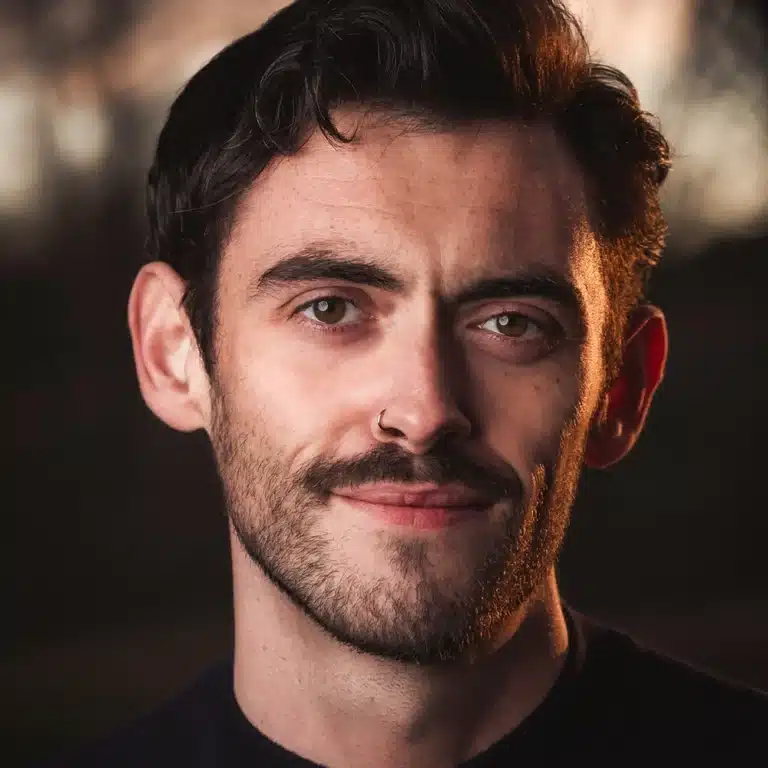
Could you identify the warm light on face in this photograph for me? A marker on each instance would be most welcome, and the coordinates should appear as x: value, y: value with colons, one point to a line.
x: 443, y: 276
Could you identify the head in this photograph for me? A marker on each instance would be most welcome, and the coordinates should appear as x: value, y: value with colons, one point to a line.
x: 441, y: 209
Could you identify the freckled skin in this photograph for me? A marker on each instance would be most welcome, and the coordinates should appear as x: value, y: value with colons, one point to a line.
x: 292, y: 404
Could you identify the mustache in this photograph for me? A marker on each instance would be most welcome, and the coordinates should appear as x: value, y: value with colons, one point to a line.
x: 390, y: 463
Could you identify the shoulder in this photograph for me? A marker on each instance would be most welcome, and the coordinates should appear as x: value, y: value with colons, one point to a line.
x: 657, y: 698
x: 184, y: 731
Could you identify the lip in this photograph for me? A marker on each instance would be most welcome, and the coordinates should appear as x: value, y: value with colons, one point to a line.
x: 422, y: 496
x: 418, y: 507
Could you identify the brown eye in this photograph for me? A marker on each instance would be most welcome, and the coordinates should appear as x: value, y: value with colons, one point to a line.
x: 328, y: 310
x: 513, y: 325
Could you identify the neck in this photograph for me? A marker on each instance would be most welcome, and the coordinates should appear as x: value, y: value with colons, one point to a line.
x: 335, y: 706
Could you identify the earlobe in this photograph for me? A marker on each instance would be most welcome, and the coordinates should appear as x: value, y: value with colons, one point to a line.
x: 608, y: 442
x: 621, y: 417
x: 170, y: 372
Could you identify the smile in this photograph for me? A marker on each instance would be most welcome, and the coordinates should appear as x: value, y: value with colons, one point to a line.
x: 419, y: 507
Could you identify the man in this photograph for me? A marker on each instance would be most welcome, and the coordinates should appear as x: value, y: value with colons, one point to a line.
x: 398, y: 260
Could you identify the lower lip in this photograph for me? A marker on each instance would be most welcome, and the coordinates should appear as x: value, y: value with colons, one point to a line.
x: 423, y: 518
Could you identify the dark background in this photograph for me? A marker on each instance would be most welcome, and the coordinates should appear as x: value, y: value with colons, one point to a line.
x: 115, y: 574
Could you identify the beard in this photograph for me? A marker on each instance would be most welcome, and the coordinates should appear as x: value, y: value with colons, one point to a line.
x: 437, y: 599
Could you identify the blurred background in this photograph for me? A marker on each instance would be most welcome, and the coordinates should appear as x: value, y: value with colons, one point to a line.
x: 115, y: 575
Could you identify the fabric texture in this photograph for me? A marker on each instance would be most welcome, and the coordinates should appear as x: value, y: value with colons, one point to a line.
x: 614, y: 703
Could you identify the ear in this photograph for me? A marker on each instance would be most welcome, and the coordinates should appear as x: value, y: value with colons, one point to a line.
x: 170, y: 370
x: 620, y: 419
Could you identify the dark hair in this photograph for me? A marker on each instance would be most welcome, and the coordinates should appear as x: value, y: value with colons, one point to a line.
x: 441, y: 62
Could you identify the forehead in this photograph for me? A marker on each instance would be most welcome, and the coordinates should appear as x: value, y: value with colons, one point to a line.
x: 439, y: 203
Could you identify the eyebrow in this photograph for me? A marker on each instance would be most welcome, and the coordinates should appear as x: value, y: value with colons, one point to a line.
x: 313, y: 263
x: 539, y: 282
x: 323, y: 263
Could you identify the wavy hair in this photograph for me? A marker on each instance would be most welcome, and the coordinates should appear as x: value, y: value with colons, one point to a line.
x: 442, y: 63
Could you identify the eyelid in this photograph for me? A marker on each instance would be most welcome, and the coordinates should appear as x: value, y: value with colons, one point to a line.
x: 327, y: 293
x: 548, y: 324
x: 536, y: 315
x: 298, y: 312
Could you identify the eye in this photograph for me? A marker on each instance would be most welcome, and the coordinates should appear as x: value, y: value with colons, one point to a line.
x: 328, y: 310
x: 514, y: 325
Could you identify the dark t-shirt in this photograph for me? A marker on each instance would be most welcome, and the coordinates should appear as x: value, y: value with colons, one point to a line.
x: 613, y: 704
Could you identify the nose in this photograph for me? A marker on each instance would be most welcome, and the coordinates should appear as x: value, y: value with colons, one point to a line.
x: 423, y: 406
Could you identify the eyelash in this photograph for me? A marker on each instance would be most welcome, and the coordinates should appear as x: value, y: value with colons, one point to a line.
x: 325, y: 328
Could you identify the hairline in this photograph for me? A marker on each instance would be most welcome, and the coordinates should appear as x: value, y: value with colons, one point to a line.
x: 415, y: 121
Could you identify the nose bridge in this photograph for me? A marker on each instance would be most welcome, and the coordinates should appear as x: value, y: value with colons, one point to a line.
x: 428, y: 358
x: 427, y: 378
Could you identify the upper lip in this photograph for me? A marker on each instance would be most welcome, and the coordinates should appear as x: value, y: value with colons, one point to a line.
x: 412, y: 495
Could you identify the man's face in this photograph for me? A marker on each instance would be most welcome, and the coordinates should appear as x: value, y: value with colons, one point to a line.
x: 492, y: 390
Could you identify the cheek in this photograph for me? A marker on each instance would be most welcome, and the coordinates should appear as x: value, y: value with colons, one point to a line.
x: 293, y: 392
x: 530, y: 411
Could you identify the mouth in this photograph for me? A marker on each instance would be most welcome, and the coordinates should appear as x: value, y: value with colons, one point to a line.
x: 419, y: 507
